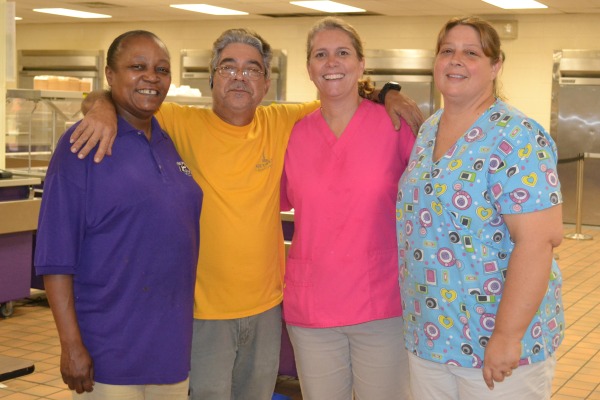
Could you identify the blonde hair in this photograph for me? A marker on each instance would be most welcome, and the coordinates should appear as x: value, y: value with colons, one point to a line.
x: 365, y: 86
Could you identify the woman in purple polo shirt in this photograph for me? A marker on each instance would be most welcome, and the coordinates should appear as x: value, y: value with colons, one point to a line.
x: 118, y: 243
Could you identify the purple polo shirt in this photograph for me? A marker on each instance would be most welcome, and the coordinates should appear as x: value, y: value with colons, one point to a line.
x: 127, y: 229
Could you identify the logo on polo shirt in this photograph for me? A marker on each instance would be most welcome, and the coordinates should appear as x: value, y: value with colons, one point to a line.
x: 184, y: 168
x: 263, y: 164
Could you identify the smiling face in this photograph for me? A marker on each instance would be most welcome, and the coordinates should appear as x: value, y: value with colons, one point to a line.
x: 139, y: 78
x: 236, y: 98
x: 462, y: 70
x: 334, y: 65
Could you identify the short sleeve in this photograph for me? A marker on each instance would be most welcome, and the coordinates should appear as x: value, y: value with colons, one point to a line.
x: 299, y: 111
x: 522, y: 169
x: 61, y: 222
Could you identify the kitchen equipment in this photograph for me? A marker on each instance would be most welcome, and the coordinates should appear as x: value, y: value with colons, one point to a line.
x: 411, y: 68
x: 75, y: 70
x: 575, y: 126
x: 35, y: 120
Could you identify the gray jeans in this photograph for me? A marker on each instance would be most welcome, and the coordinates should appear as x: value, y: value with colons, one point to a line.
x: 236, y: 359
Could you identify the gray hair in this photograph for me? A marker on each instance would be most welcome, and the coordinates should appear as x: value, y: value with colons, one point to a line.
x: 244, y: 36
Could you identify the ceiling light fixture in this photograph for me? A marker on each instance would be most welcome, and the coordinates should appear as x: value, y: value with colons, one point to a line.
x: 18, y: 18
x: 208, y: 9
x: 327, y: 6
x: 516, y: 4
x: 65, y: 12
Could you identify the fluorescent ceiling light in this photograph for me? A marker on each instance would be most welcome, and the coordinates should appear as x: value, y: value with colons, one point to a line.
x: 516, y: 4
x: 208, y: 9
x: 327, y: 6
x: 70, y: 13
x: 18, y: 18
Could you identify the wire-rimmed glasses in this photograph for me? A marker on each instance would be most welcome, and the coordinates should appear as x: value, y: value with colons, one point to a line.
x: 229, y: 71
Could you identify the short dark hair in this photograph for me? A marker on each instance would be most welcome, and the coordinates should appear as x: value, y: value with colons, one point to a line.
x: 115, y: 47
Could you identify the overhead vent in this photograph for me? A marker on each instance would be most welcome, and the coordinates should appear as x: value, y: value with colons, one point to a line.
x: 97, y: 4
x: 299, y: 15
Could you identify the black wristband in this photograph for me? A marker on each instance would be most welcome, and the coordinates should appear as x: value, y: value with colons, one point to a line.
x: 386, y: 88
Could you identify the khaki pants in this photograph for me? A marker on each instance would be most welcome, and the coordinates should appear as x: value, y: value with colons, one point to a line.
x: 176, y: 391
x: 366, y: 360
x: 433, y: 381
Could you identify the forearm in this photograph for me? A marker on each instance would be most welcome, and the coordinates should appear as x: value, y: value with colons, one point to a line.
x: 102, y: 97
x: 76, y: 365
x: 524, y: 289
x: 400, y: 106
x: 59, y: 291
x: 98, y: 126
x: 535, y: 235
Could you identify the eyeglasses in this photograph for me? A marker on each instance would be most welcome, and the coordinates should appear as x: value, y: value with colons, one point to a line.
x: 229, y: 71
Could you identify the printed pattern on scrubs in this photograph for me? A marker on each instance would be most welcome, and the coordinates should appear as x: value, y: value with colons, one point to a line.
x: 454, y: 246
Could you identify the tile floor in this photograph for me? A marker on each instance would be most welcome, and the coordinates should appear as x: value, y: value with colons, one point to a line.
x: 30, y: 334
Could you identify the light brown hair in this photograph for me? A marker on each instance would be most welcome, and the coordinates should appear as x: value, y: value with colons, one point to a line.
x: 490, y: 41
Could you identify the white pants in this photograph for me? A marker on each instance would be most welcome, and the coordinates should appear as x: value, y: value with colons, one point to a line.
x: 176, y: 391
x: 369, y: 359
x: 433, y: 381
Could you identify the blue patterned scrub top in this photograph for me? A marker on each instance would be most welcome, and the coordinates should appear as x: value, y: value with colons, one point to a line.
x: 454, y: 246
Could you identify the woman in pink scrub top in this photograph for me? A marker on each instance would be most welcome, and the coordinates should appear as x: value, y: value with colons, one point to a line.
x: 341, y: 297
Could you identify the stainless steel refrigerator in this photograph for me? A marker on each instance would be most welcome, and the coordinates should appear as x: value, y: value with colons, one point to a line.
x: 411, y: 68
x: 575, y: 126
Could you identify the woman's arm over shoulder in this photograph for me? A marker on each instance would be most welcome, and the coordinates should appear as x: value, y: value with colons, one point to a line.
x: 403, y: 111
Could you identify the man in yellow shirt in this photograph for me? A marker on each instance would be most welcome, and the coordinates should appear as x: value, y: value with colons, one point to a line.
x: 235, y: 152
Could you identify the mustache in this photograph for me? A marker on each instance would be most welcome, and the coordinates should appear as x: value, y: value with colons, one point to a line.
x: 238, y: 85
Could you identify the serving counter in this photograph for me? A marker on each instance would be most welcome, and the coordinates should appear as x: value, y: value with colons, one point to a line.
x: 19, y: 211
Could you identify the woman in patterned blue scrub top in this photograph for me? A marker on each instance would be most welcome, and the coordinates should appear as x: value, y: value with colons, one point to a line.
x: 478, y: 215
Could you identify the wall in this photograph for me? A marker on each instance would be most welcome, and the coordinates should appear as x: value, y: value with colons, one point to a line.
x: 527, y: 76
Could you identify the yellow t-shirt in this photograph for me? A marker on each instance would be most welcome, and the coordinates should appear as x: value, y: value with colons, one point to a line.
x: 240, y: 268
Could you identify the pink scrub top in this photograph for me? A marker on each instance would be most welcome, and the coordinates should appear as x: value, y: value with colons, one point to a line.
x: 342, y: 268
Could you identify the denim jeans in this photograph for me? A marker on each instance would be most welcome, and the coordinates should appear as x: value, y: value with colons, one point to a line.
x: 236, y: 359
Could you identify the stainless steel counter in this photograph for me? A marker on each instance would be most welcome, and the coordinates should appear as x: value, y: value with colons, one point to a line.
x: 19, y: 181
